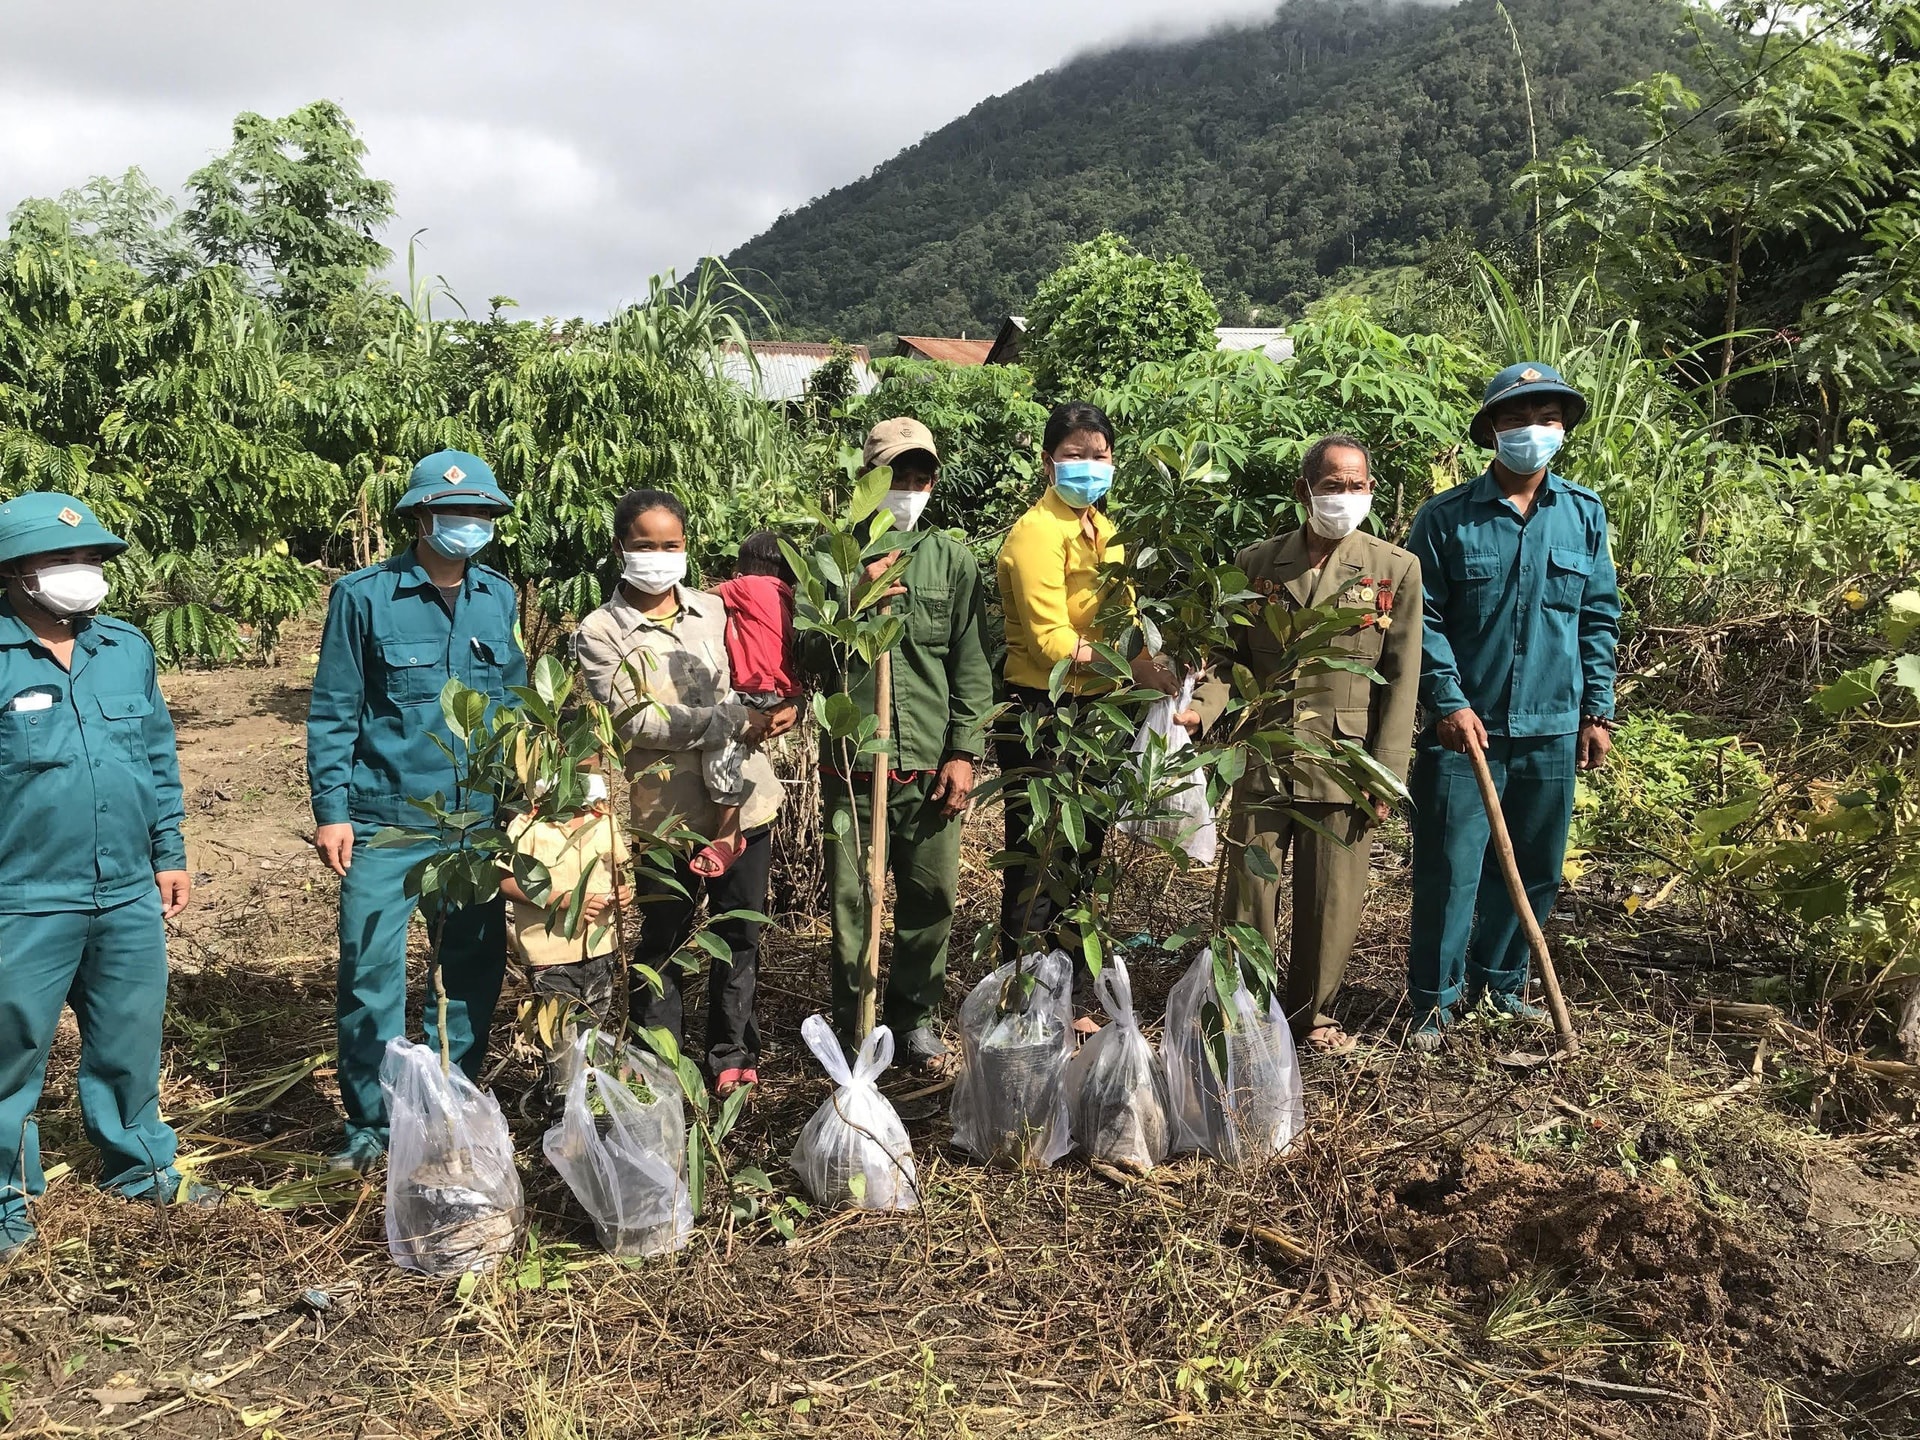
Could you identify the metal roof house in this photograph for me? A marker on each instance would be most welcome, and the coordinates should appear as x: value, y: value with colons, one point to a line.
x: 785, y: 366
x: 934, y: 347
x: 1271, y: 341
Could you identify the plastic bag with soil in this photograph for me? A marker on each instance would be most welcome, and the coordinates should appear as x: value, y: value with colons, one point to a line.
x: 1253, y: 1111
x: 1009, y: 1105
x: 453, y: 1195
x: 854, y: 1150
x: 1117, y: 1096
x: 621, y: 1146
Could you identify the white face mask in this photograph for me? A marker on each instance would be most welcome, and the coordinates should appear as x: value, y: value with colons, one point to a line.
x: 905, y: 506
x: 69, y: 589
x: 653, y: 572
x: 1334, y: 517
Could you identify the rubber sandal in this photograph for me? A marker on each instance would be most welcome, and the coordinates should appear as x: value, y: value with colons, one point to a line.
x: 1331, y: 1040
x: 716, y: 859
x: 729, y: 1081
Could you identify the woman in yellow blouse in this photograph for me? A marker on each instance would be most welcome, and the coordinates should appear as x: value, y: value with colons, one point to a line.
x: 1052, y: 596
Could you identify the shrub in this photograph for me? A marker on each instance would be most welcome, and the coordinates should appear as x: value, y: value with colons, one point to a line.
x: 1633, y: 814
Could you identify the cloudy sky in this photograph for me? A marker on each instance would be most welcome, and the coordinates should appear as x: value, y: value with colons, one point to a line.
x: 557, y: 153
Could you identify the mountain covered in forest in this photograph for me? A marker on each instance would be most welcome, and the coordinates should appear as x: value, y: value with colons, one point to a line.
x: 1339, y: 135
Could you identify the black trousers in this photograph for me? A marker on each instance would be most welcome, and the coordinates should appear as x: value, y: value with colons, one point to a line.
x: 666, y: 920
x: 1035, y: 893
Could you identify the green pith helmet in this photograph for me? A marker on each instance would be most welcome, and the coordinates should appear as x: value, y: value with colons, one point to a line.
x: 1529, y: 377
x: 46, y: 520
x: 453, y: 477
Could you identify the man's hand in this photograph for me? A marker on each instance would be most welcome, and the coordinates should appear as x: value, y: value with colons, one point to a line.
x: 880, y: 567
x: 1457, y: 729
x: 175, y: 887
x: 780, y: 721
x: 955, y: 786
x: 335, y: 844
x: 1590, y: 749
x: 1191, y: 720
x: 1152, y: 672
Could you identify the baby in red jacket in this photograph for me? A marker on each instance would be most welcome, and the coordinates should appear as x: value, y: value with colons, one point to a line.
x: 760, y: 653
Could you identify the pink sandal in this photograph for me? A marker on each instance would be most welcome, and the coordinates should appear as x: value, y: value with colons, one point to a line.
x: 716, y: 859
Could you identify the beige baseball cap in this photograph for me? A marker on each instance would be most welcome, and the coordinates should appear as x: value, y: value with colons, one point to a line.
x: 890, y: 439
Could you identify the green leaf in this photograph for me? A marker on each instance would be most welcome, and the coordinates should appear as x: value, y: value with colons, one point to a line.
x: 867, y: 491
x: 1852, y: 690
x: 1260, y: 864
x: 713, y: 945
x: 1906, y: 674
x: 1903, y: 616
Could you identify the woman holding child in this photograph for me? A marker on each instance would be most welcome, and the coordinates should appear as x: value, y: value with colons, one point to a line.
x: 656, y: 652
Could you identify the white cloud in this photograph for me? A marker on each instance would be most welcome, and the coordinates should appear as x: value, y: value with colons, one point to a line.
x: 558, y: 154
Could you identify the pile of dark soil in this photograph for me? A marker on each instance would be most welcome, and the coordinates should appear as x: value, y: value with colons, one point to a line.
x: 1490, y: 1219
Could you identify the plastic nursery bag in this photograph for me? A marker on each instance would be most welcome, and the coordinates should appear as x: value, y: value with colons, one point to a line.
x: 1191, y: 821
x: 1255, y: 1112
x: 1116, y: 1087
x: 453, y: 1196
x: 621, y: 1146
x: 1009, y: 1105
x: 855, y: 1149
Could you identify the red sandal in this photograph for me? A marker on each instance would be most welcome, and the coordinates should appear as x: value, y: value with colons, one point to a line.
x: 716, y: 859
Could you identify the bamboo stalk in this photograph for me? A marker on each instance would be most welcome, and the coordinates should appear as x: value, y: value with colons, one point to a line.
x: 877, y: 845
x: 1522, y: 907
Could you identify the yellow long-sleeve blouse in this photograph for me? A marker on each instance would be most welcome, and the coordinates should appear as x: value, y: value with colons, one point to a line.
x: 1050, y: 588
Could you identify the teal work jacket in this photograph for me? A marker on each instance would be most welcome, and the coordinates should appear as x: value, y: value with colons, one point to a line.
x: 391, y: 644
x: 1522, y: 615
x: 90, y: 805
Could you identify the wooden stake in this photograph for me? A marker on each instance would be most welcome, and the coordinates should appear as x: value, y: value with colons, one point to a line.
x: 877, y: 847
x: 1522, y: 907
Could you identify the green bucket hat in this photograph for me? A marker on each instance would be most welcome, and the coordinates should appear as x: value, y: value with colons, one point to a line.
x: 1529, y: 377
x: 453, y: 477
x: 46, y: 520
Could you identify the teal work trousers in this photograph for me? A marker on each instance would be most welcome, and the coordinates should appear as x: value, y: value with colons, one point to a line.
x: 1466, y: 936
x: 923, y: 855
x: 111, y: 967
x: 371, y: 1004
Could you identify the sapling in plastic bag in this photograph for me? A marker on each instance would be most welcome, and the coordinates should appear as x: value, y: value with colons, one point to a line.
x: 854, y: 1149
x: 1252, y: 1110
x: 621, y: 1146
x: 1116, y: 1089
x: 453, y: 1196
x: 1016, y: 1034
x: 1188, y: 816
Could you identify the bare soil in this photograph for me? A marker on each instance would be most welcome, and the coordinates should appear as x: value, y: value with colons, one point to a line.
x: 1651, y: 1240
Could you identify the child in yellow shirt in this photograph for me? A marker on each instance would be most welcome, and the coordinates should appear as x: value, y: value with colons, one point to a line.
x: 571, y: 975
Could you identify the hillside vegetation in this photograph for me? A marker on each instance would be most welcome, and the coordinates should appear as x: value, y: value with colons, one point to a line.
x: 1338, y: 135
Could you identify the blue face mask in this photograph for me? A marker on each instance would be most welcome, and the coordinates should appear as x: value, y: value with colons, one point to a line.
x: 459, y: 539
x: 1528, y: 449
x: 1083, y: 482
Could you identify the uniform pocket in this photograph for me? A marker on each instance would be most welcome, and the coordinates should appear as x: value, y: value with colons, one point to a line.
x: 126, y: 717
x: 1475, y: 577
x: 1567, y: 572
x: 415, y: 675
x: 931, y: 624
x: 29, y: 739
x: 1352, y: 724
x: 489, y: 667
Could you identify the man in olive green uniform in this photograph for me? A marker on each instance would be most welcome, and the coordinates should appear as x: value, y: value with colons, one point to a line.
x: 942, y: 694
x: 1329, y: 561
x: 396, y: 633
x: 92, y: 865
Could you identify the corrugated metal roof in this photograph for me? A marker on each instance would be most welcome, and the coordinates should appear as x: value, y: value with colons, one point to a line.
x: 937, y: 347
x: 1272, y: 341
x: 786, y: 365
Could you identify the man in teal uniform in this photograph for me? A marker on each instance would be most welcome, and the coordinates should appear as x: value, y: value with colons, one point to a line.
x: 396, y: 633
x: 1522, y: 617
x: 91, y: 860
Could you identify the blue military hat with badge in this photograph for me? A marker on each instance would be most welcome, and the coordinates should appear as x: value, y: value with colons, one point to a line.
x: 453, y: 478
x: 43, y: 521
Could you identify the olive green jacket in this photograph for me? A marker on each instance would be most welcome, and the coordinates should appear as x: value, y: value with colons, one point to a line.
x: 942, y: 679
x: 1362, y: 573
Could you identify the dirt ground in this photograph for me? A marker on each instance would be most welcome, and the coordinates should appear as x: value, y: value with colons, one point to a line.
x: 1651, y: 1240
